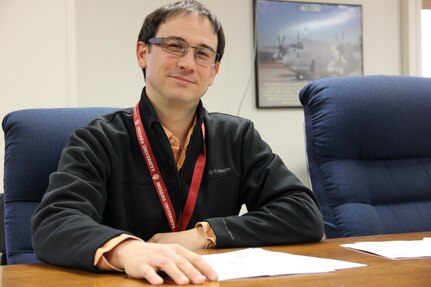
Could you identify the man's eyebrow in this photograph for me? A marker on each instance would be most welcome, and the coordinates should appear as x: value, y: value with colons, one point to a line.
x: 200, y: 46
x: 207, y: 47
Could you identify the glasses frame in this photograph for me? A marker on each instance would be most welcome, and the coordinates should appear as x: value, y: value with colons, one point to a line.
x: 159, y: 41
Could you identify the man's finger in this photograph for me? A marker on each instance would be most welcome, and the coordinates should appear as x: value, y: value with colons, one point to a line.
x: 148, y: 273
x: 171, y: 268
x: 198, y: 263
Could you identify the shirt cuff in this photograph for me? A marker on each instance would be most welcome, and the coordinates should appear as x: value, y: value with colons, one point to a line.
x: 208, y: 234
x: 100, y: 260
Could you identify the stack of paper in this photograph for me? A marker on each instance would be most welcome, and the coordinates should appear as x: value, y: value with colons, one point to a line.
x: 395, y: 249
x: 255, y: 262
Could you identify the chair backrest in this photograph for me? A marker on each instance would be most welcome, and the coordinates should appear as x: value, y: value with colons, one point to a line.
x: 34, y: 139
x: 368, y: 143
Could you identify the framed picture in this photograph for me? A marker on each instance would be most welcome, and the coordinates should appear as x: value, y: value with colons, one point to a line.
x: 298, y: 42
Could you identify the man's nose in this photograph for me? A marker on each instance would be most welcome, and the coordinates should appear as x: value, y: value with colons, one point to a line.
x: 188, y: 60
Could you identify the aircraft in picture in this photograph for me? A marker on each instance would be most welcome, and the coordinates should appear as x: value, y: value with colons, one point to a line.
x: 311, y: 59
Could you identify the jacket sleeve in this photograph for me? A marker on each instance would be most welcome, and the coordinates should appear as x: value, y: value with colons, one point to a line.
x: 281, y: 210
x: 66, y: 229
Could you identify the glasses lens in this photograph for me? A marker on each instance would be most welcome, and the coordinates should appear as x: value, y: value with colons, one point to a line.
x: 174, y: 46
x: 203, y: 56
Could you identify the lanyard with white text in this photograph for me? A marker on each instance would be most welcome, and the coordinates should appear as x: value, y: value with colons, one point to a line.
x: 159, y: 183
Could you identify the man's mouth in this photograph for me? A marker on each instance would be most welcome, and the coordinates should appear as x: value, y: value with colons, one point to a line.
x: 183, y: 79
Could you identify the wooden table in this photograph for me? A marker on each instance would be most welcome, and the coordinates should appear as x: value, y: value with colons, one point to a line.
x: 379, y: 272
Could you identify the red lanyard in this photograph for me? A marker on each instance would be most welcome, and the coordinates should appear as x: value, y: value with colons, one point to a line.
x: 159, y: 183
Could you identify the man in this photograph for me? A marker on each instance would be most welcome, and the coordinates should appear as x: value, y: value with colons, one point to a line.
x: 138, y: 190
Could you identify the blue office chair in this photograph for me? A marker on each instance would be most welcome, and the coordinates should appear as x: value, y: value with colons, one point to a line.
x: 34, y: 139
x: 368, y: 143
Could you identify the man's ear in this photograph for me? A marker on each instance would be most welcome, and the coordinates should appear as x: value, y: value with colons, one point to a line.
x: 215, y: 71
x: 141, y: 54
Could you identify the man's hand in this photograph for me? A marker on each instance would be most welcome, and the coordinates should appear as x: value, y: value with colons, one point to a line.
x: 143, y: 260
x: 192, y: 239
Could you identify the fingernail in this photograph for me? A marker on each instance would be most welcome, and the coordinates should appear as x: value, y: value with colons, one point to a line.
x: 200, y: 278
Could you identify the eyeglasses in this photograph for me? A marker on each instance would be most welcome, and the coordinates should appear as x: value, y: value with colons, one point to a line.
x: 203, y: 55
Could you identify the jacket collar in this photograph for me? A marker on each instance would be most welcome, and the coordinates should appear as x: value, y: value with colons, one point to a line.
x: 149, y: 115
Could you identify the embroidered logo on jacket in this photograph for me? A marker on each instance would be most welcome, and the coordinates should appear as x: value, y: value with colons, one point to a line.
x: 219, y: 171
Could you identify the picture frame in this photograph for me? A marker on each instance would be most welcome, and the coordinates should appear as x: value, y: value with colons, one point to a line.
x: 298, y: 42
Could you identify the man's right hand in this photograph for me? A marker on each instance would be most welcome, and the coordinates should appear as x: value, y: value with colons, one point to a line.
x: 143, y: 260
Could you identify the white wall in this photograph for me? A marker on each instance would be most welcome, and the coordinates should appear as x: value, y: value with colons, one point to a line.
x: 426, y: 42
x: 59, y: 53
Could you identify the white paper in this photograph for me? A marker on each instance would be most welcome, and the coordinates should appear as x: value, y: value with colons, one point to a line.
x: 395, y: 249
x: 257, y: 262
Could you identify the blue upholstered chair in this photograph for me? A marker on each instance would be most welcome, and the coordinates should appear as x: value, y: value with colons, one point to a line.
x: 368, y: 143
x: 34, y: 140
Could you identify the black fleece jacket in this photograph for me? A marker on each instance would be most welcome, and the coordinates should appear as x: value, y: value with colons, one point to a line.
x: 102, y: 188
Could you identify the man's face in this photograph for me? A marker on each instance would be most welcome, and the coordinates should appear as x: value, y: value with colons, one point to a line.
x: 174, y: 80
